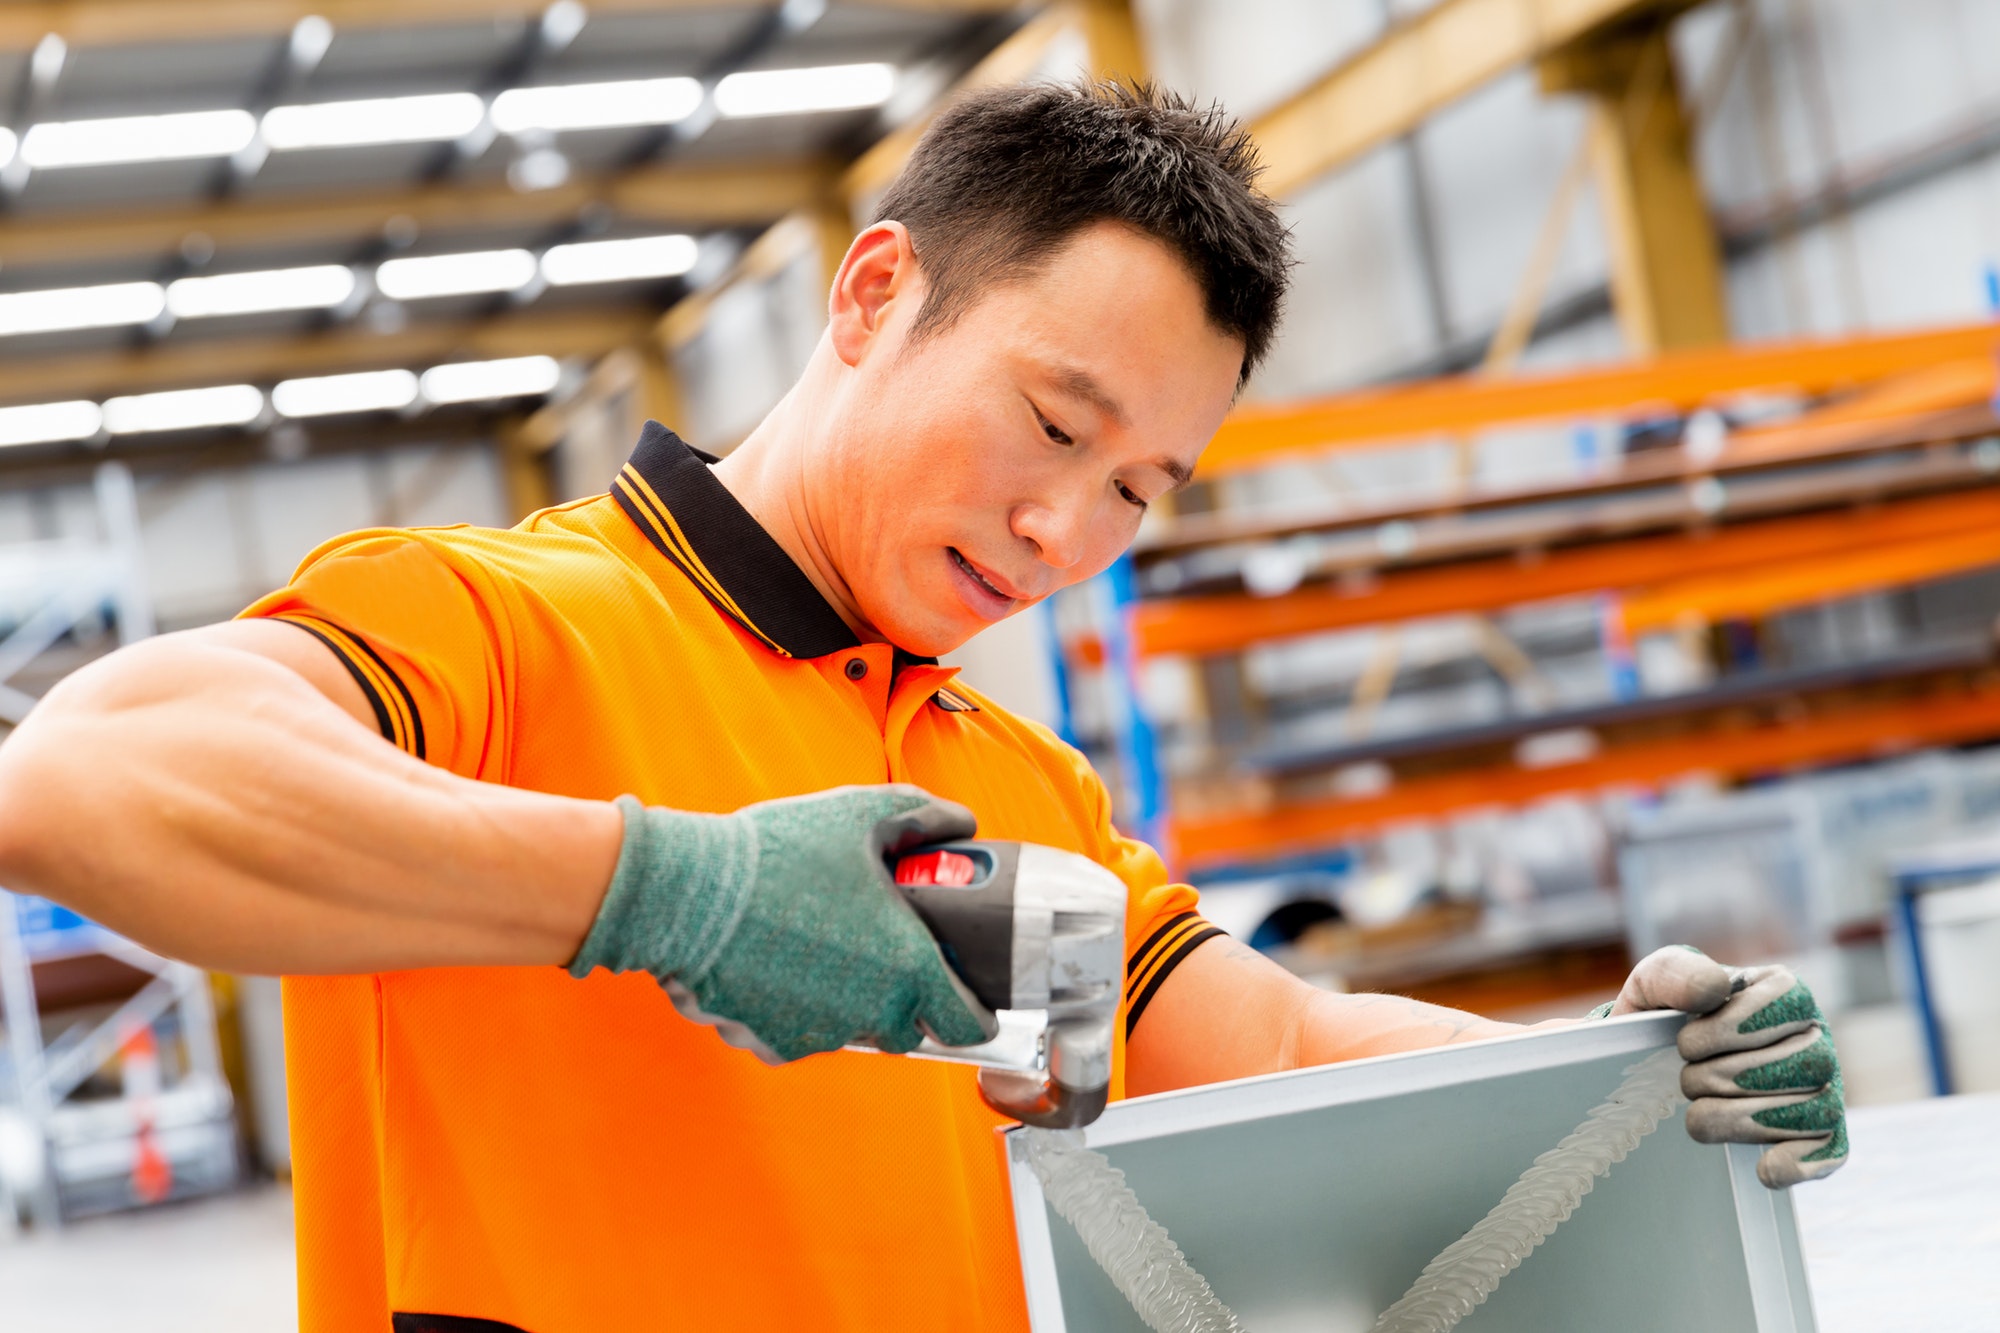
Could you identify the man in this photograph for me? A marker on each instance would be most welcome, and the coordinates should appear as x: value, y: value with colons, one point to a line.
x: 481, y: 793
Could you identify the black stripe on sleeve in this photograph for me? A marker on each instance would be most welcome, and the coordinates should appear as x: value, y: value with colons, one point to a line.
x: 375, y: 700
x: 1136, y: 963
x: 409, y: 700
x: 404, y: 1322
x: 1165, y: 969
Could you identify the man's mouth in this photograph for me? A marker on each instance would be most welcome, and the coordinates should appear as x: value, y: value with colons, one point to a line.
x: 971, y: 571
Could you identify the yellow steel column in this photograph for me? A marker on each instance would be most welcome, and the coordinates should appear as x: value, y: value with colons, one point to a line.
x: 1666, y: 268
x: 525, y: 466
x: 1112, y: 40
x: 574, y: 448
x: 656, y: 389
x: 836, y: 229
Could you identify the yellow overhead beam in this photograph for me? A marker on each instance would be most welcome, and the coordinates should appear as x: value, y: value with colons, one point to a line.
x: 1417, y: 68
x: 132, y: 22
x: 1110, y: 39
x: 1018, y: 58
x: 691, y: 196
x: 182, y: 363
x: 1666, y: 266
x: 1108, y: 48
x: 574, y: 447
x: 797, y: 233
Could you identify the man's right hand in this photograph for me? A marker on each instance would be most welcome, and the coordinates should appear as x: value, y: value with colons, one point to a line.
x: 1761, y: 1067
x: 782, y: 920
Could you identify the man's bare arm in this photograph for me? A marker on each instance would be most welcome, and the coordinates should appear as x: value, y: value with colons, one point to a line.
x: 1229, y: 1012
x: 222, y: 796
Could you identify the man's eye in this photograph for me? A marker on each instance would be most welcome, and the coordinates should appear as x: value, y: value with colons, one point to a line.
x: 1130, y: 498
x: 1050, y: 429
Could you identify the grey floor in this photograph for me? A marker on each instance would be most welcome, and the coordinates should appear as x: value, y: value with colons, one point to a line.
x: 1907, y: 1234
x: 209, y: 1266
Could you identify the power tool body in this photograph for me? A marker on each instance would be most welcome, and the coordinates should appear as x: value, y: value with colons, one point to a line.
x: 1038, y: 935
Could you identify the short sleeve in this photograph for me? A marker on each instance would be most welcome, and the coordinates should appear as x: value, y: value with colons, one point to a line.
x: 418, y: 635
x: 1162, y: 923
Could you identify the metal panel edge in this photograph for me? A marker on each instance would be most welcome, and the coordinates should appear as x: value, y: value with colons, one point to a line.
x: 1779, y: 1296
x: 1378, y: 1076
x: 1038, y: 1254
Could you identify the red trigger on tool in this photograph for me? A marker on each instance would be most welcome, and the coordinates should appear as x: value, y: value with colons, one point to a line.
x: 939, y: 869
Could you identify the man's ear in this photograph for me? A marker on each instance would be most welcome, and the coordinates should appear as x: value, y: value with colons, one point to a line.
x: 880, y: 269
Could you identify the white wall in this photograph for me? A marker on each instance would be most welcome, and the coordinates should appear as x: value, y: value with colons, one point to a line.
x: 218, y: 539
x: 1010, y: 664
x: 1251, y: 54
x: 1826, y: 87
x: 751, y: 349
x: 1839, y: 88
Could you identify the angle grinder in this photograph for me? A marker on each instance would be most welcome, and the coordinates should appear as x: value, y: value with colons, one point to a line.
x: 1038, y: 935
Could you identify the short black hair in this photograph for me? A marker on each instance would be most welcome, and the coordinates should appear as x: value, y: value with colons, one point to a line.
x: 1005, y: 176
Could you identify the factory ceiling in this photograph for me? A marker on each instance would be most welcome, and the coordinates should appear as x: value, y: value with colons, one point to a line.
x: 206, y: 195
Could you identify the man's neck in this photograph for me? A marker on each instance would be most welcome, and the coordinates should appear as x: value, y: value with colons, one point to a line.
x: 767, y: 474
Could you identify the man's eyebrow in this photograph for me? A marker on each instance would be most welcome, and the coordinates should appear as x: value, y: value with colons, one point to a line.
x: 1080, y: 383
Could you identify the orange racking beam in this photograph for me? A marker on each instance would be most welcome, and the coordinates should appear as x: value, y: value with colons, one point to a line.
x: 1943, y: 718
x: 1677, y: 381
x: 1750, y: 594
x: 1224, y: 623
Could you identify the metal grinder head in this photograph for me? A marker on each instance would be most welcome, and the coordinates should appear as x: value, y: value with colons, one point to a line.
x: 1038, y: 935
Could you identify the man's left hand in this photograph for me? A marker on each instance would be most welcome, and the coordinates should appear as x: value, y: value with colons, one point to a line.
x: 1760, y: 1064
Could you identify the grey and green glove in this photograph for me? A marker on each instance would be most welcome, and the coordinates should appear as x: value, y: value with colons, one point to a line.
x: 780, y: 924
x: 1760, y: 1062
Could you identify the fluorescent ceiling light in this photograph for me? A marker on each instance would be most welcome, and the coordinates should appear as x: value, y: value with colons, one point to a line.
x: 591, y: 106
x: 313, y: 288
x: 47, y: 423
x: 323, y: 395
x: 542, y: 169
x: 561, y: 22
x: 60, y: 308
x: 374, y: 120
x: 311, y: 36
x: 473, y: 381
x: 619, y: 261
x: 90, y: 143
x: 784, y: 92
x: 8, y: 143
x: 455, y: 275
x: 184, y: 409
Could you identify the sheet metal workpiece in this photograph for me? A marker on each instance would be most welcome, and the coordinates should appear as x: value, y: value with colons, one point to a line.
x: 1310, y: 1200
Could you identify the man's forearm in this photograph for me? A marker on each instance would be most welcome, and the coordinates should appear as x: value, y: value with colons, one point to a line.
x: 1229, y: 1012
x: 212, y: 804
x: 1335, y: 1027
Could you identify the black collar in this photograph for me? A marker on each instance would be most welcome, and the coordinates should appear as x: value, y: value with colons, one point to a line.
x: 692, y: 519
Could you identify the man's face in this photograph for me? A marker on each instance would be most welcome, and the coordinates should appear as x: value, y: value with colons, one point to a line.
x: 972, y: 474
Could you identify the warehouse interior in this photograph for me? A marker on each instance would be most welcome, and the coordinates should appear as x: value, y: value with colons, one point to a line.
x: 1607, y: 555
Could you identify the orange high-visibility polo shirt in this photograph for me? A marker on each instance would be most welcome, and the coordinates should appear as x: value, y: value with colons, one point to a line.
x: 515, y: 1146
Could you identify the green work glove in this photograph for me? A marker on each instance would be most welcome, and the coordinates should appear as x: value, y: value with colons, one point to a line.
x: 780, y: 925
x: 1760, y: 1062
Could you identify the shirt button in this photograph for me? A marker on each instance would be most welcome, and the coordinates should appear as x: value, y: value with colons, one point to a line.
x: 856, y: 668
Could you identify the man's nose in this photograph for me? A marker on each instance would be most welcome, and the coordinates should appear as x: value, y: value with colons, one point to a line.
x: 1057, y: 528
